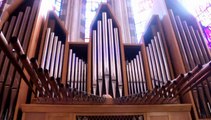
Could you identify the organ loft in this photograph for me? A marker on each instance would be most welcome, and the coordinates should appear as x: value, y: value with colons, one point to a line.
x: 47, y: 74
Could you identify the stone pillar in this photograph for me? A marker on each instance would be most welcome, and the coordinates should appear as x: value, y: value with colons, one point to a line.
x: 72, y: 19
x: 120, y: 11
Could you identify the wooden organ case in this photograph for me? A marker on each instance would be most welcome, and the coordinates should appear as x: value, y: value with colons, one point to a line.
x: 100, y: 89
x: 101, y: 79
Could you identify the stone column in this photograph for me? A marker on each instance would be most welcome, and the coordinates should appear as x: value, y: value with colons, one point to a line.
x: 120, y: 11
x: 72, y: 19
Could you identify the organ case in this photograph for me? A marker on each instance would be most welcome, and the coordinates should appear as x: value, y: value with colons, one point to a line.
x: 53, y: 22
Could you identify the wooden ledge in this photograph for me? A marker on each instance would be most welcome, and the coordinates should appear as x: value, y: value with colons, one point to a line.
x: 105, y: 108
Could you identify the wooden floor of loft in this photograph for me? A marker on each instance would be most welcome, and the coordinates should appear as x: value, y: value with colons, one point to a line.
x: 69, y: 112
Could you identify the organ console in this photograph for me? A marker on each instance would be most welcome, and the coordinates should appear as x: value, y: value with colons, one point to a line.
x: 104, y: 78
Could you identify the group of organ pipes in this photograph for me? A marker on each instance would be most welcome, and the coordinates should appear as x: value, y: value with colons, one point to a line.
x: 77, y: 72
x: 194, y: 52
x: 159, y: 70
x: 53, y: 54
x: 171, y: 90
x: 136, y: 76
x: 18, y: 25
x: 106, y: 59
x: 51, y: 90
x: 48, y: 88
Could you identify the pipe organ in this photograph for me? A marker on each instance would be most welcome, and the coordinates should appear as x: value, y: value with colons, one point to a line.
x: 104, y: 78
